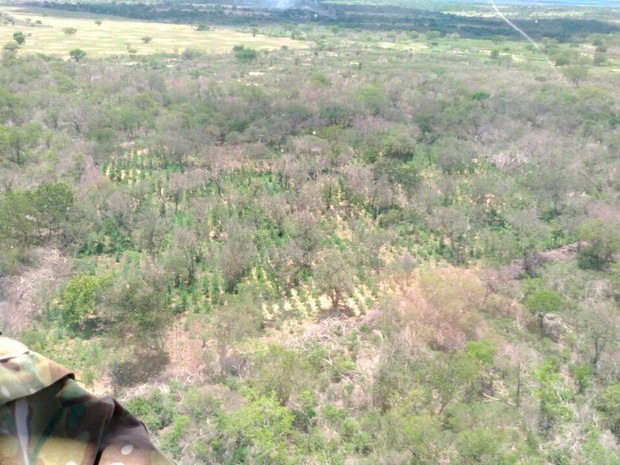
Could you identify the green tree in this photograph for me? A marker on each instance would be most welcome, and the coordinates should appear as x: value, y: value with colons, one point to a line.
x: 334, y: 275
x: 79, y: 300
x: 335, y: 113
x: 576, y: 74
x: 529, y: 234
x: 483, y: 350
x: 77, y: 54
x: 553, y: 396
x: 171, y: 442
x: 257, y: 433
x: 17, y: 141
x: 132, y: 120
x: 137, y: 305
x: 599, y: 59
x: 373, y: 97
x: 453, y: 223
x: 479, y: 446
x: 398, y: 143
x: 24, y: 215
x: 602, y: 323
x: 151, y: 231
x: 19, y: 37
x: 601, y: 240
x: 69, y: 31
x: 10, y: 47
x: 183, y: 257
x: 581, y: 374
x: 280, y: 372
x: 451, y: 376
x: 17, y: 214
x: 544, y: 301
x: 239, y: 318
x: 422, y: 436
x: 52, y: 203
x: 563, y: 58
x: 245, y: 55
x: 593, y: 451
x: 236, y: 256
x: 610, y: 406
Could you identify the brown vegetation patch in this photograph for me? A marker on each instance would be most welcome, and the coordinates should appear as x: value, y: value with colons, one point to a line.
x: 439, y: 308
x: 24, y: 294
x: 185, y: 348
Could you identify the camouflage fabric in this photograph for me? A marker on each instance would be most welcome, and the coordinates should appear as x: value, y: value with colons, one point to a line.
x: 46, y: 418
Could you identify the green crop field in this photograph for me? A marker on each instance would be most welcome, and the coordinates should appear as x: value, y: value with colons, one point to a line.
x: 44, y: 34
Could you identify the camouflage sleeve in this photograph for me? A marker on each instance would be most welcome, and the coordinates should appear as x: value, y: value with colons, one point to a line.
x: 46, y: 418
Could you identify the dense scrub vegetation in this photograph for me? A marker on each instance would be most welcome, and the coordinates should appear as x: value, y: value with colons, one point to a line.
x: 391, y: 248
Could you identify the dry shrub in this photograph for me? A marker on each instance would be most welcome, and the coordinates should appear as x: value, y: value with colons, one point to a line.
x: 142, y: 367
x: 439, y: 308
x: 498, y: 304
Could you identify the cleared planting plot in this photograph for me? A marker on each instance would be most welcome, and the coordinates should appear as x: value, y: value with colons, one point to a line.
x: 116, y: 36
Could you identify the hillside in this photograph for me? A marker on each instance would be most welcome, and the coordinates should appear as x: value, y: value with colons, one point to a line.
x: 313, y: 242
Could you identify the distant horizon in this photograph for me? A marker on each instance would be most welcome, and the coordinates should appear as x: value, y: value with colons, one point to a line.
x: 575, y: 3
x: 606, y: 3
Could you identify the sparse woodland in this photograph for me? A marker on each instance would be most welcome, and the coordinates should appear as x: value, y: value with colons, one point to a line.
x: 391, y: 247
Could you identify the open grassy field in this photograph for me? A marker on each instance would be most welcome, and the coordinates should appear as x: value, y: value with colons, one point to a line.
x: 114, y: 36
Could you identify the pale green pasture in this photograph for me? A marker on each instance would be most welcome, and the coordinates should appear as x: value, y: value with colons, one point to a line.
x: 518, y: 51
x: 115, y: 36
